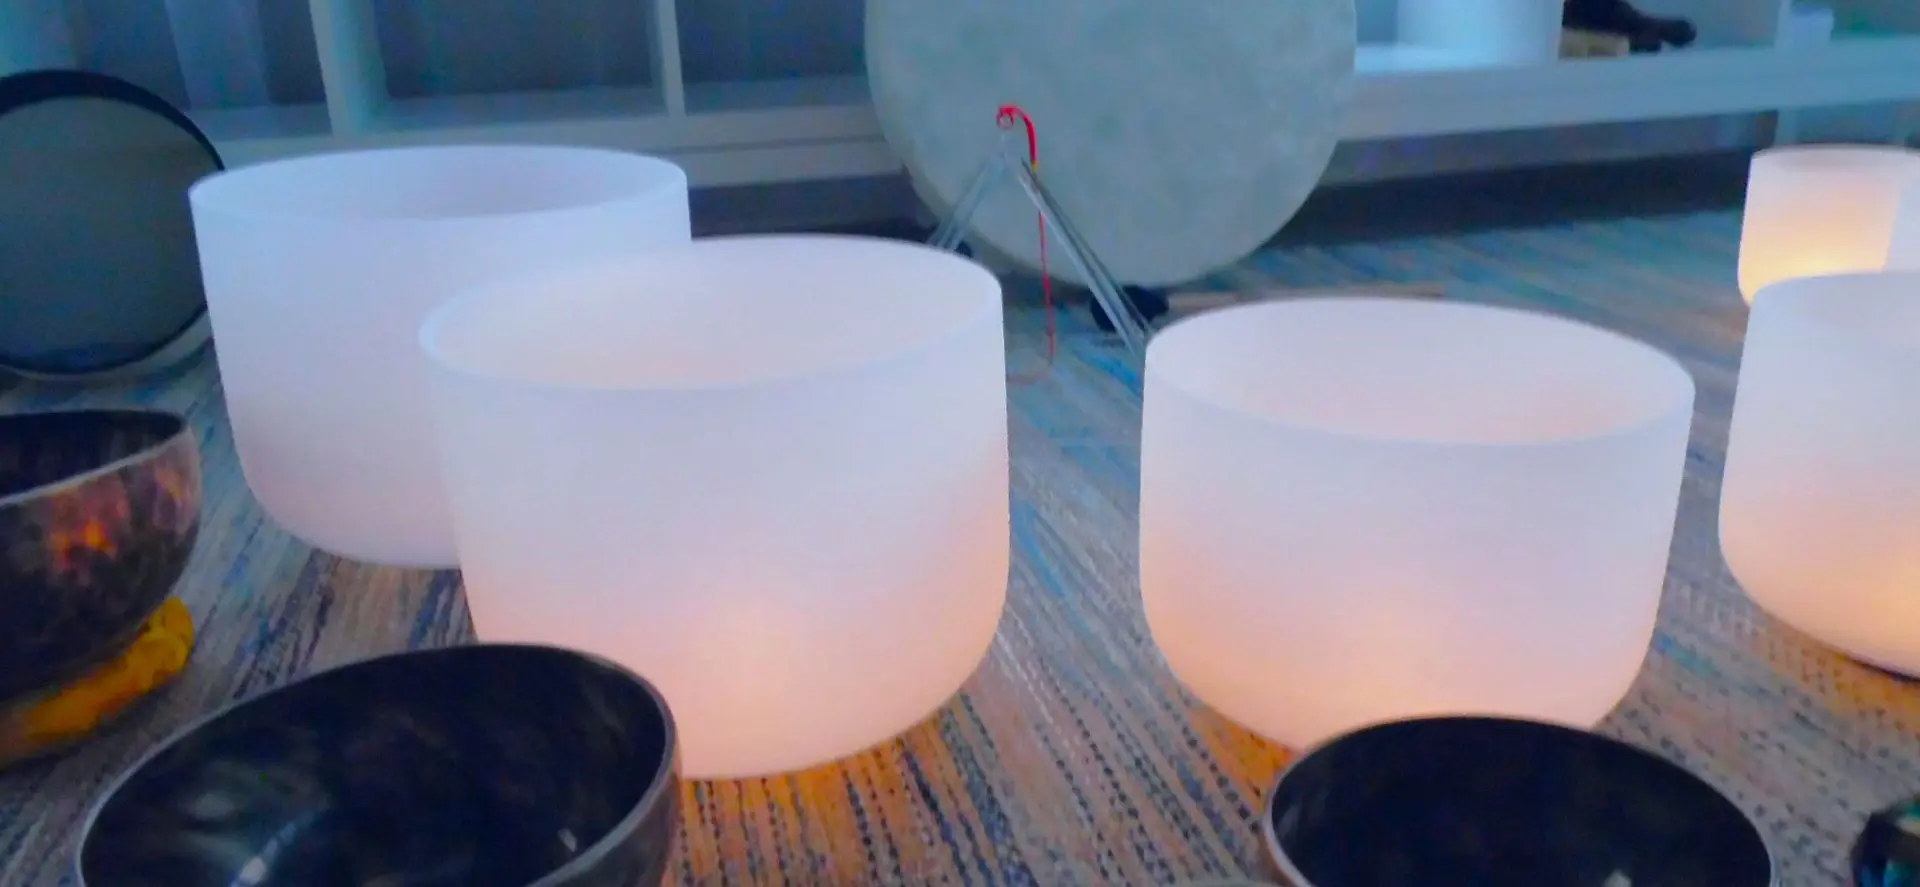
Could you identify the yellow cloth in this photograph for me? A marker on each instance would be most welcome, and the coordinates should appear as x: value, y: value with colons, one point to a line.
x: 155, y: 658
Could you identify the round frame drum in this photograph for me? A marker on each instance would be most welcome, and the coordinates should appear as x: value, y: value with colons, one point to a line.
x: 99, y: 274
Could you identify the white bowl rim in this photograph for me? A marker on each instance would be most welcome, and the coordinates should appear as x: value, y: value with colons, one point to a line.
x: 1682, y: 400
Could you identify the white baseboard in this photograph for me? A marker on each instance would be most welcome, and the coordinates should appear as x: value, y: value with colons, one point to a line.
x: 838, y: 203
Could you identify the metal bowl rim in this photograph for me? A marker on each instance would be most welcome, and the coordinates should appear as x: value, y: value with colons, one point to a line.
x: 663, y: 778
x: 1283, y: 864
x: 178, y: 423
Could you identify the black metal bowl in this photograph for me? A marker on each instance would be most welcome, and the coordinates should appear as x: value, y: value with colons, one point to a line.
x: 1476, y: 801
x: 476, y: 766
x: 1886, y: 853
x: 98, y: 514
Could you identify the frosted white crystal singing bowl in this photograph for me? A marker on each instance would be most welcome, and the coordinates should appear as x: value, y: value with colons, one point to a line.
x: 767, y: 473
x: 1360, y: 509
x: 1820, y: 507
x: 319, y: 271
x: 1904, y: 253
x: 1821, y: 209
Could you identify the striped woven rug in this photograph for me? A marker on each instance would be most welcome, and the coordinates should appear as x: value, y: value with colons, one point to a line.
x: 1072, y: 757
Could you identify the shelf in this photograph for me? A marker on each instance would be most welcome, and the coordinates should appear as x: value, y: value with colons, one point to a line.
x: 1410, y: 91
x: 750, y: 144
x: 33, y: 37
x: 1855, y: 30
x: 770, y: 40
x: 247, y: 75
x: 750, y: 91
x: 513, y: 110
x: 440, y: 49
x: 719, y: 116
x: 1407, y: 102
x: 266, y: 122
x: 1867, y: 18
x: 1398, y: 60
x: 733, y: 97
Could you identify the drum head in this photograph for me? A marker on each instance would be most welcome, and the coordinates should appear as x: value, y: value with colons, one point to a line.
x: 1177, y: 137
x: 99, y: 274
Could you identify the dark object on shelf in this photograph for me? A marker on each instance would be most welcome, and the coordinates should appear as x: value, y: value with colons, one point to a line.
x: 1463, y: 801
x: 476, y: 766
x: 98, y: 514
x: 99, y: 272
x: 1887, y: 851
x: 1645, y: 33
x: 1151, y: 303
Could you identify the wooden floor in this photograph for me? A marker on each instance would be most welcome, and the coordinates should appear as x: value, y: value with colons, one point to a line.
x: 1073, y: 758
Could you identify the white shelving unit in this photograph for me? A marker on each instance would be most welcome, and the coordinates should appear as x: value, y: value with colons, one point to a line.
x: 1740, y: 65
x: 718, y: 91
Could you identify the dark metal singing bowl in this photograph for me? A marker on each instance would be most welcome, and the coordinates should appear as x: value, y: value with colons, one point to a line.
x: 476, y: 766
x: 1475, y: 801
x: 1886, y: 853
x: 99, y: 510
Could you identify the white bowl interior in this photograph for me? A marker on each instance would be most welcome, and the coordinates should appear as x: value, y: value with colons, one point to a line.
x: 721, y: 312
x: 451, y: 182
x: 1419, y: 371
